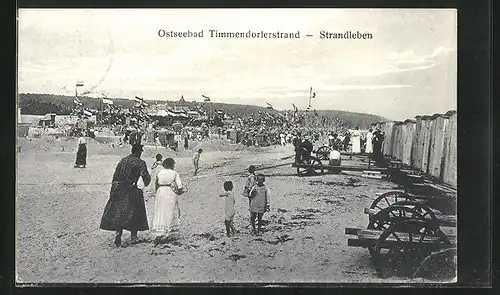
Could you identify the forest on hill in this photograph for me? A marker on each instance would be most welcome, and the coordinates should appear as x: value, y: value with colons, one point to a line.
x: 41, y: 104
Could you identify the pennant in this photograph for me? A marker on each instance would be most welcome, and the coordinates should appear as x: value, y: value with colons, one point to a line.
x: 77, y: 101
x: 313, y: 95
x: 206, y: 98
x: 87, y: 113
x: 107, y: 101
x: 79, y: 83
x: 269, y: 106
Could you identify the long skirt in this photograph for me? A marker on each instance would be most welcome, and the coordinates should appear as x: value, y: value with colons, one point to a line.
x: 369, y: 146
x: 166, y: 212
x: 125, y: 209
x: 81, y: 155
x: 356, y: 145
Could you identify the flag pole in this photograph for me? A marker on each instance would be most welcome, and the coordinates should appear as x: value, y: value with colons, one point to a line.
x: 101, y: 110
x: 310, y: 95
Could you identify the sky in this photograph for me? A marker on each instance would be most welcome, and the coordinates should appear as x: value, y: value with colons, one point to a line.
x: 408, y: 68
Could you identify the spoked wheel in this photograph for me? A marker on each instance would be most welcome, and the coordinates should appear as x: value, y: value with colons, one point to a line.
x: 441, y: 265
x: 404, y: 243
x: 311, y: 168
x: 323, y: 152
x: 388, y: 199
x: 398, y: 214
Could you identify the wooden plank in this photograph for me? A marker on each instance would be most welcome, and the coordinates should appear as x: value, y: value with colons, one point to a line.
x: 371, y: 172
x: 444, y: 220
x: 392, y: 244
x: 352, y: 231
x: 372, y: 176
x: 368, y: 234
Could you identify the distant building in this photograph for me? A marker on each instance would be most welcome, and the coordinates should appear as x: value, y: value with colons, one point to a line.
x: 179, y: 106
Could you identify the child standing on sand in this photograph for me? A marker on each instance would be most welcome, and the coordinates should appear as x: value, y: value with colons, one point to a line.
x: 250, y: 183
x: 259, y: 202
x: 196, y: 159
x: 158, y: 163
x: 229, y: 207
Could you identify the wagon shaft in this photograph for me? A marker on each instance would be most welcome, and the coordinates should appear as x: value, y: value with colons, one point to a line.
x: 369, y: 238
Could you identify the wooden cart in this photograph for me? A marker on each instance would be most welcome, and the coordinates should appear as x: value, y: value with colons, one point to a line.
x: 405, y: 226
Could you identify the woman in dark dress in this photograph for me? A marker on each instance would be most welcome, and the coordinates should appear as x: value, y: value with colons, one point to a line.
x: 81, y: 154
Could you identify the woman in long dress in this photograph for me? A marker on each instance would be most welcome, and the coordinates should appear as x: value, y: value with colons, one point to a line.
x: 356, y: 141
x: 81, y: 154
x: 369, y: 145
x: 166, y: 210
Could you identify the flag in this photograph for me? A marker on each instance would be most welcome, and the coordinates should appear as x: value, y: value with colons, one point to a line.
x: 79, y: 83
x: 87, y: 113
x: 206, y: 98
x: 107, y: 101
x: 77, y: 101
x: 313, y: 94
x: 296, y: 109
x: 140, y: 101
x: 269, y: 106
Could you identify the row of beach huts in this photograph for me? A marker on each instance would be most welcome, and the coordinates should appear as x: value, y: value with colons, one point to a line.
x: 426, y: 143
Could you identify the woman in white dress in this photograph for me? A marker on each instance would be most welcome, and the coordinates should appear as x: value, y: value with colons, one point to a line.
x: 166, y: 210
x: 356, y: 141
x: 369, y: 145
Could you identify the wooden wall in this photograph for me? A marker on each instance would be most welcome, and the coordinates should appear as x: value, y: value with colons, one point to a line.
x: 428, y: 144
x: 449, y: 169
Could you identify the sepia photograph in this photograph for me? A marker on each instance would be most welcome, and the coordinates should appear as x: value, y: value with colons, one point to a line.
x: 236, y: 146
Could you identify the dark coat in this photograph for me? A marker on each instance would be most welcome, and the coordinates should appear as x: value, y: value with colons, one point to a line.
x: 125, y: 208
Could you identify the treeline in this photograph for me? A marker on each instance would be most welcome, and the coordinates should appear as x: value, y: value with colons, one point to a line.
x: 41, y: 104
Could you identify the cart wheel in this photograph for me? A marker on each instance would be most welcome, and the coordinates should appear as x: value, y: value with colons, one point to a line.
x: 314, y: 167
x: 439, y: 265
x: 302, y: 168
x: 322, y: 152
x: 399, y: 213
x: 387, y: 199
x: 407, y: 242
x: 396, y: 214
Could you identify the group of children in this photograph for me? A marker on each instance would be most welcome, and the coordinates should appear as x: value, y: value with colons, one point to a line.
x: 255, y: 190
x: 258, y: 200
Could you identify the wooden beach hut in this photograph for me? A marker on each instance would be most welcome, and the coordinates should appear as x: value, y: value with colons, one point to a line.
x: 408, y: 134
x: 437, y: 145
x: 386, y: 128
x: 449, y: 168
x: 397, y: 140
x: 416, y: 153
x: 426, y: 142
